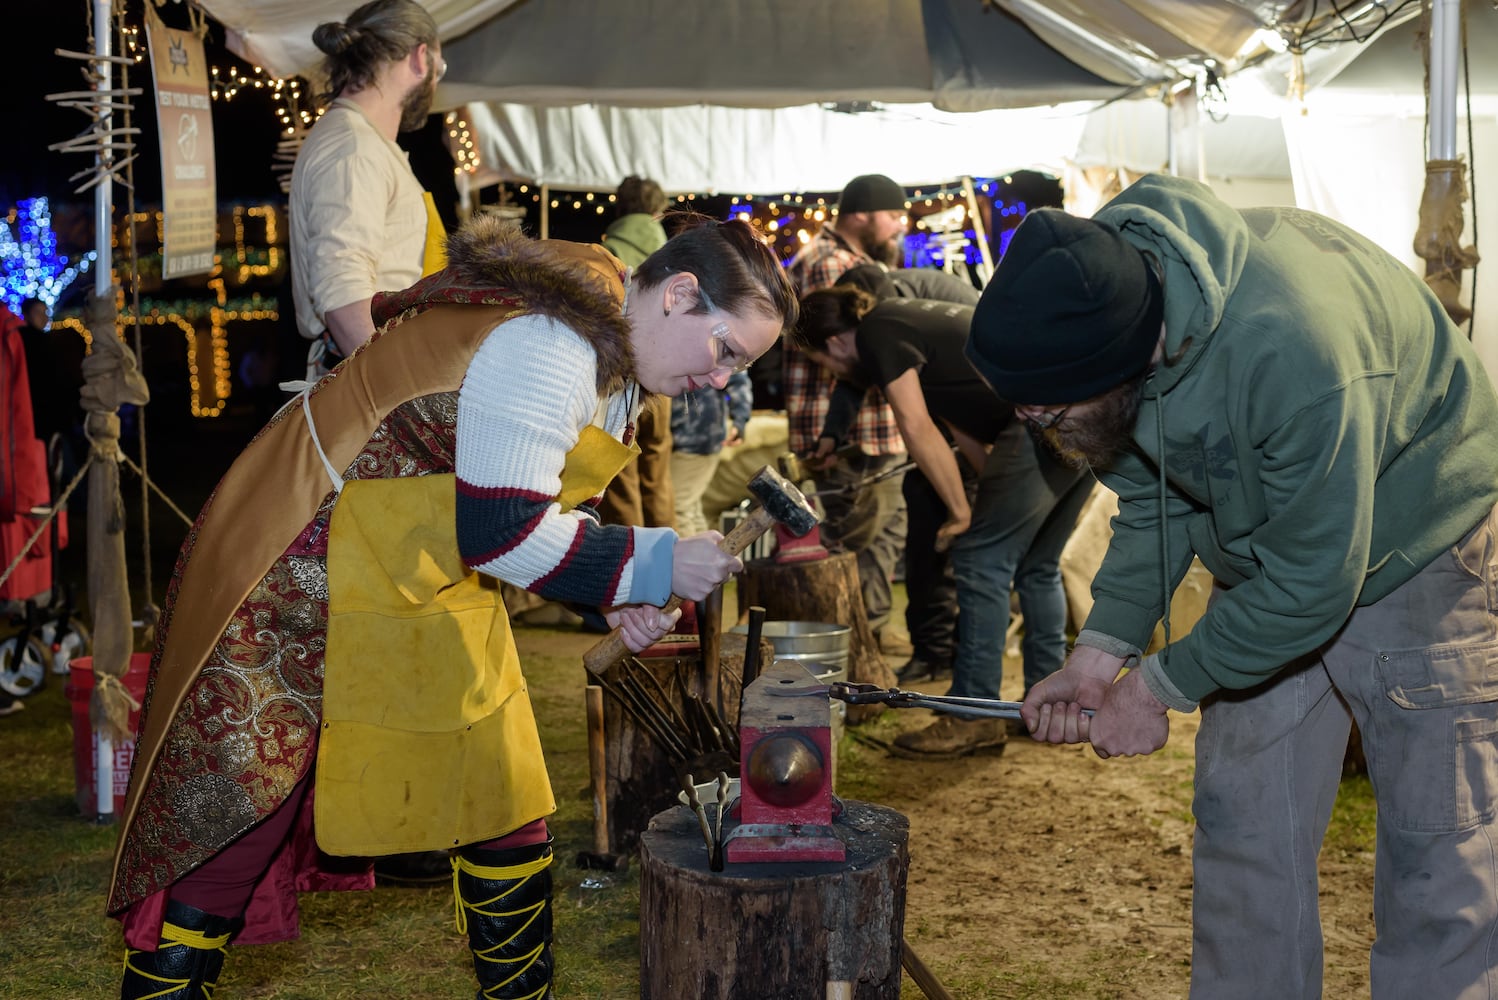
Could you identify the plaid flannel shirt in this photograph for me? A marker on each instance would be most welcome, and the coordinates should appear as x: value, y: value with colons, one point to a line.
x: 808, y: 386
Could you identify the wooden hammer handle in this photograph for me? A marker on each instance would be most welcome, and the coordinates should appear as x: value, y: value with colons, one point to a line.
x: 611, y: 648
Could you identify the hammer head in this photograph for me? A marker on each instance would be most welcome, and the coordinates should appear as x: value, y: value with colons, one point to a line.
x: 783, y: 501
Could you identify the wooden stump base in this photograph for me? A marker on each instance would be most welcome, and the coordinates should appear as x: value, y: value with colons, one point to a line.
x: 826, y: 590
x: 794, y: 931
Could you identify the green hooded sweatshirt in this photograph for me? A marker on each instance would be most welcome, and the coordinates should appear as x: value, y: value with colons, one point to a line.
x: 634, y: 237
x: 1326, y: 433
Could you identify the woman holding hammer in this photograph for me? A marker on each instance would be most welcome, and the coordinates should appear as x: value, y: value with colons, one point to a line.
x: 335, y: 674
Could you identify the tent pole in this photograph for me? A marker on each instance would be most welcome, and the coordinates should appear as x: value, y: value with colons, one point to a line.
x: 1442, y: 218
x: 546, y: 211
x: 980, y: 236
x: 1445, y: 55
x: 104, y: 190
x: 104, y: 292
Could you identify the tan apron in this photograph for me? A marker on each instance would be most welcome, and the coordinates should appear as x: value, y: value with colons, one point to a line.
x: 427, y: 737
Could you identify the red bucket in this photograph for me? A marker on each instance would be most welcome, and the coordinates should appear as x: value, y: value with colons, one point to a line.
x: 79, y: 687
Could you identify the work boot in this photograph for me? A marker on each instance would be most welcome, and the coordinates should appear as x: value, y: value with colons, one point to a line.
x: 186, y: 964
x: 503, y: 901
x: 919, y: 668
x: 950, y: 737
x: 893, y: 642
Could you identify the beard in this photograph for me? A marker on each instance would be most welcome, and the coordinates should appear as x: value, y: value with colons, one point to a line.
x: 890, y: 253
x: 417, y: 104
x: 1095, y: 440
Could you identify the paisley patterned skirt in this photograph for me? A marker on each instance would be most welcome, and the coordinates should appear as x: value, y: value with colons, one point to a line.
x: 244, y: 736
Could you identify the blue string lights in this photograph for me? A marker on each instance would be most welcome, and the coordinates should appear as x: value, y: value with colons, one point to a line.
x: 28, y: 252
x: 788, y: 221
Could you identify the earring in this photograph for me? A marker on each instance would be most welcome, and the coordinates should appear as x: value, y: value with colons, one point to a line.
x: 668, y: 310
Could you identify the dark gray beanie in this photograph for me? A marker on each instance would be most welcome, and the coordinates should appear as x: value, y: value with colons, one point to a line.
x: 871, y: 193
x: 1073, y: 310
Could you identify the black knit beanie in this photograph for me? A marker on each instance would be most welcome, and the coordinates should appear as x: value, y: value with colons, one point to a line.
x: 1073, y: 310
x: 871, y: 193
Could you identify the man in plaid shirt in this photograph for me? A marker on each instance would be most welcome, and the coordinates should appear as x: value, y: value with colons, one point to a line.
x: 871, y: 217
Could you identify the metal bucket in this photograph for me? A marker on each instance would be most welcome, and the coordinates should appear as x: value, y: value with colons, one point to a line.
x: 821, y: 648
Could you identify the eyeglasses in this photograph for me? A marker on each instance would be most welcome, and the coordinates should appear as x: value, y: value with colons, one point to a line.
x: 1050, y: 420
x: 725, y: 358
x: 441, y: 69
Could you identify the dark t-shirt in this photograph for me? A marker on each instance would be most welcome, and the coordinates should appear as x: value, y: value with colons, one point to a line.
x: 930, y: 337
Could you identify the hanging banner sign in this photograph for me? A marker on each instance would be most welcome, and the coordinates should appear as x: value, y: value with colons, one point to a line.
x: 189, y: 197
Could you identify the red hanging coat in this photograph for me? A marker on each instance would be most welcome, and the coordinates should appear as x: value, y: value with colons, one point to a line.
x: 23, y: 471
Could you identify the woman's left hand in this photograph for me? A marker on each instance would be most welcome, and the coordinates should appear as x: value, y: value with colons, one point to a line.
x: 642, y: 625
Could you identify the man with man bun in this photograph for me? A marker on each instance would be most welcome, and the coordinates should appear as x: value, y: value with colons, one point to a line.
x: 360, y: 221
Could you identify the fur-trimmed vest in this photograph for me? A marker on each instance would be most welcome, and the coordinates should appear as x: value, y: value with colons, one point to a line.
x: 281, y: 481
x: 492, y: 261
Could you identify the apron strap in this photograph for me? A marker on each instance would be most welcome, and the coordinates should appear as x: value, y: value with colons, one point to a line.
x: 304, y: 390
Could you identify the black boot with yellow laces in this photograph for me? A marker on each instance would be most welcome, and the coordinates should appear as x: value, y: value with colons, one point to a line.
x: 186, y: 964
x: 503, y: 900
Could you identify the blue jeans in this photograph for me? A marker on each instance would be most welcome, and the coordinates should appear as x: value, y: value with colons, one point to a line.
x: 1028, y: 503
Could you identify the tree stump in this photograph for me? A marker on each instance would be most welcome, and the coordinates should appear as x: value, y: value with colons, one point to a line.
x: 773, y: 931
x: 826, y: 590
x: 642, y: 774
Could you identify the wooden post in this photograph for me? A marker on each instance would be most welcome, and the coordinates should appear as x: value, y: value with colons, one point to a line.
x: 825, y: 590
x: 794, y: 931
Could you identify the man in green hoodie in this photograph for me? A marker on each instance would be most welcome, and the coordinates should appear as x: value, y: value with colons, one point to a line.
x: 1270, y: 392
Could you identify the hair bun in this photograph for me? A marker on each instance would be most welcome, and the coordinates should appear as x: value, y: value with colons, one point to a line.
x: 334, y: 37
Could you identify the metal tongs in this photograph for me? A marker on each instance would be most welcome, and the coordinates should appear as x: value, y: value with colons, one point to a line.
x: 968, y: 708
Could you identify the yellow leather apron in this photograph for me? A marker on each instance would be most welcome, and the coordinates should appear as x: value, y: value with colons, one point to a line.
x: 427, y: 738
x: 434, y: 253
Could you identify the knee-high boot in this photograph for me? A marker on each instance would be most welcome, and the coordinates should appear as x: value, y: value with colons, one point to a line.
x: 186, y: 964
x: 503, y: 900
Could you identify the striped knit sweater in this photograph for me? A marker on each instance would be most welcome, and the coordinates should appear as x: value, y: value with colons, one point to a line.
x: 527, y: 395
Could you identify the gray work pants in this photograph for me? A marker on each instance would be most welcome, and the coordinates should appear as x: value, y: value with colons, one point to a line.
x: 1419, y: 672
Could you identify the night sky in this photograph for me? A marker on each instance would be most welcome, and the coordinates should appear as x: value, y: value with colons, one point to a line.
x: 245, y: 128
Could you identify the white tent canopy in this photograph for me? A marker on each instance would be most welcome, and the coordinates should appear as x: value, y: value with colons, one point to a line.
x: 1356, y: 153
x: 961, y: 55
x: 277, y: 34
x: 762, y: 151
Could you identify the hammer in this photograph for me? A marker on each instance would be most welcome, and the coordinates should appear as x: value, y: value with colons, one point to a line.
x: 780, y: 503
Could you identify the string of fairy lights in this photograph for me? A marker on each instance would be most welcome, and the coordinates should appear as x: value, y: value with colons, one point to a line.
x: 787, y: 221
x: 257, y: 253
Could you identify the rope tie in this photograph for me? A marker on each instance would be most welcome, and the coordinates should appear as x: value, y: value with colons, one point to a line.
x: 493, y: 907
x: 173, y: 936
x: 151, y: 485
x: 304, y: 389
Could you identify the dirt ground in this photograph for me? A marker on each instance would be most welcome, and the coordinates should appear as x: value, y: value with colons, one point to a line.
x: 1046, y: 872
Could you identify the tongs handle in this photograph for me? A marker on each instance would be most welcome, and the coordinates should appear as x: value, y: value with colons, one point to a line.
x: 968, y: 708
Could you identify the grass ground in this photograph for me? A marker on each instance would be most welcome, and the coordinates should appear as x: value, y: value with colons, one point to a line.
x: 55, y: 941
